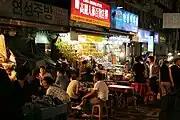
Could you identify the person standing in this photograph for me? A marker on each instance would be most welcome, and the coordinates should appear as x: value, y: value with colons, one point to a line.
x: 153, y: 74
x: 138, y: 69
x: 127, y: 66
x: 175, y: 74
x: 165, y: 82
x: 86, y: 72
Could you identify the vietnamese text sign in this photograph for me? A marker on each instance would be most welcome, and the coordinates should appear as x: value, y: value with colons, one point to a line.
x: 90, y: 11
x: 33, y: 11
x: 171, y: 20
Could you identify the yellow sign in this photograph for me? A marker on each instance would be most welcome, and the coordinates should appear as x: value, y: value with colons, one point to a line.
x: 90, y: 20
x: 93, y: 38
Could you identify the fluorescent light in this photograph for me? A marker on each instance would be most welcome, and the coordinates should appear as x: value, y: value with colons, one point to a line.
x: 119, y: 7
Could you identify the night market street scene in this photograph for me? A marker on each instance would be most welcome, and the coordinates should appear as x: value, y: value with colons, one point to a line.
x: 89, y: 60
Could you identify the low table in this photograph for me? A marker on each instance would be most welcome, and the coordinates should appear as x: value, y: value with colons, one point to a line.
x: 125, y: 83
x: 120, y: 92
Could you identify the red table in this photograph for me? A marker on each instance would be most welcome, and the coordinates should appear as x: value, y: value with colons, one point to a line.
x: 121, y: 94
x: 121, y: 88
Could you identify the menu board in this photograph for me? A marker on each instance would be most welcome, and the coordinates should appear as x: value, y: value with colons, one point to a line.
x: 123, y: 20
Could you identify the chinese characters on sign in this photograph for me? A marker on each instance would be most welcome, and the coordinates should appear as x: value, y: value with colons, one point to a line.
x: 90, y: 11
x: 145, y: 35
x: 34, y: 11
x: 123, y: 20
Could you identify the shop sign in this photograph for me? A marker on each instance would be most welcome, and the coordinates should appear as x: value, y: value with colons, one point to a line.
x: 90, y: 11
x: 33, y: 11
x: 90, y: 38
x: 171, y: 20
x: 145, y: 35
x: 123, y: 20
x: 162, y: 37
x: 123, y: 39
x: 151, y: 44
x: 64, y: 36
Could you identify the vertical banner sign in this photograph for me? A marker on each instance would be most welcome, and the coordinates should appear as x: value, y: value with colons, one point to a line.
x: 90, y: 11
x: 33, y: 11
x: 151, y: 44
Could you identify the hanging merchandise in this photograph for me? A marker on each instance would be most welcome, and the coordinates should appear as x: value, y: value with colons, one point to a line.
x: 3, y: 53
x: 67, y: 50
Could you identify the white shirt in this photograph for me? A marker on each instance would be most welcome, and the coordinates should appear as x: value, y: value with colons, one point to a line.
x: 150, y: 70
x: 102, y: 90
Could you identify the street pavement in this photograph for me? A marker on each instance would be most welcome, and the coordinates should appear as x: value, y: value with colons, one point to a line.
x: 143, y: 113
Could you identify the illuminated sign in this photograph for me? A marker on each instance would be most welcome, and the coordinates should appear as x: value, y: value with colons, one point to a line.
x: 123, y: 20
x: 90, y: 11
x: 144, y: 36
x: 151, y: 44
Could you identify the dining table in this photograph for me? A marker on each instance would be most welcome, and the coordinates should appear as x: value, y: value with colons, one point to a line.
x: 120, y: 94
x: 125, y: 83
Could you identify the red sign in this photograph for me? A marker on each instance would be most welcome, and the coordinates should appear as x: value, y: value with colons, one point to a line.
x: 90, y: 11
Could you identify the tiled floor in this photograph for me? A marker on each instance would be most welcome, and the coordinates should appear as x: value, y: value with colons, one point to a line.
x: 144, y: 113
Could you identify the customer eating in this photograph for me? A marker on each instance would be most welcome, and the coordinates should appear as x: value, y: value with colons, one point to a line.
x: 97, y: 95
x: 55, y: 90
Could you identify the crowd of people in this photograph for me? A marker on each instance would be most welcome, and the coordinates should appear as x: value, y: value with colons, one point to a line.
x: 19, y: 85
x: 162, y: 78
x: 17, y: 91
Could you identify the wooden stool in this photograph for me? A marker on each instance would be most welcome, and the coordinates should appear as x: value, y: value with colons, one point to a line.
x: 101, y: 109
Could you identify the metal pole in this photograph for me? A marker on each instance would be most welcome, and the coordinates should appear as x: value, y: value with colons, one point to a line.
x: 177, y: 38
x: 177, y: 32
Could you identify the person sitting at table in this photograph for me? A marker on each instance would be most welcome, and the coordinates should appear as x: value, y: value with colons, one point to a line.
x: 55, y: 90
x: 73, y: 88
x: 62, y: 80
x: 97, y: 95
x: 43, y: 73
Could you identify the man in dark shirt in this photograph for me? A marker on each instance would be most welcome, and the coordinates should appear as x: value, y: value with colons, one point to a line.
x: 175, y: 74
x: 138, y: 70
x: 34, y: 82
x: 62, y: 79
x: 86, y: 72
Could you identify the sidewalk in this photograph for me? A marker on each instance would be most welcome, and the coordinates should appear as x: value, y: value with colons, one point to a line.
x: 145, y: 113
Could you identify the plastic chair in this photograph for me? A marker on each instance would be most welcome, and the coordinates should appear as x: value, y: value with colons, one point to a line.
x: 102, y: 110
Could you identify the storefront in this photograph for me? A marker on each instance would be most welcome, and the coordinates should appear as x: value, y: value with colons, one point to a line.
x: 127, y: 23
x: 27, y: 24
x: 162, y: 47
x: 147, y: 41
x: 104, y: 50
